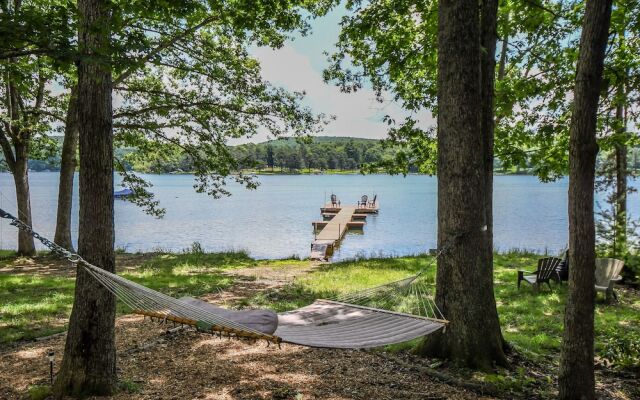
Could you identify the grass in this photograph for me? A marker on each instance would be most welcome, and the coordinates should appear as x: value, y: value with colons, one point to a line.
x: 39, y: 392
x: 32, y: 306
x: 7, y: 254
x: 532, y: 322
x: 338, y: 278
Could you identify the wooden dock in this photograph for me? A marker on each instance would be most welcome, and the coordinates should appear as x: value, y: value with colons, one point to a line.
x: 337, y: 220
x: 337, y: 226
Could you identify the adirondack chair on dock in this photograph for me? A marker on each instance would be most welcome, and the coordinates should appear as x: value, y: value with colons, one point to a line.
x: 363, y: 201
x: 334, y: 201
x: 372, y: 203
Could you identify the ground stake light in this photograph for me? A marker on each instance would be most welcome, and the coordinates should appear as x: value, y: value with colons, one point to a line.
x: 51, y: 358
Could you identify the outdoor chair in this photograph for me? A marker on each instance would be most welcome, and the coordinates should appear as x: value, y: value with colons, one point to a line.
x: 563, y: 267
x: 607, y: 274
x: 547, y: 270
x: 363, y: 201
x: 372, y: 203
x: 334, y: 200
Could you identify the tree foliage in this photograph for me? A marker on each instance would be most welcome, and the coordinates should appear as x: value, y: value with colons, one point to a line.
x: 390, y: 45
x: 183, y: 76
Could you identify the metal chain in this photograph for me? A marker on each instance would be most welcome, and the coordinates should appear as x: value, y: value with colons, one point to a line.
x: 56, y: 249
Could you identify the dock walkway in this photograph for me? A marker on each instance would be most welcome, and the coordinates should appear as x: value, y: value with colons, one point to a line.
x: 337, y: 221
x: 338, y: 225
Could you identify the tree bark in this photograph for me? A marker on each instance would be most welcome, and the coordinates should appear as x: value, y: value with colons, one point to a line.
x: 576, y: 377
x: 26, y: 244
x: 502, y: 68
x: 488, y: 39
x: 14, y: 142
x: 621, y: 185
x: 68, y: 166
x: 464, y: 289
x: 89, y: 363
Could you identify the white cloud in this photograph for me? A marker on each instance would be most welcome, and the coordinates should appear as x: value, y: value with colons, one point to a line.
x: 357, y: 114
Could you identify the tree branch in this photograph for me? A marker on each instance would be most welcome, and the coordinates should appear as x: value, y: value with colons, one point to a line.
x: 162, y: 46
x: 7, y: 150
x: 542, y: 7
x: 40, y: 93
x: 23, y: 52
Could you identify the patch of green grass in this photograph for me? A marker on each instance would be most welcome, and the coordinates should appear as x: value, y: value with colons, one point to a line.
x: 350, y: 276
x: 39, y: 392
x: 339, y: 278
x: 34, y: 306
x: 128, y: 386
x: 4, y: 254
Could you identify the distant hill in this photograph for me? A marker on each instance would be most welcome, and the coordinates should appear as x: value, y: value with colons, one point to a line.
x: 321, y: 153
x: 340, y: 140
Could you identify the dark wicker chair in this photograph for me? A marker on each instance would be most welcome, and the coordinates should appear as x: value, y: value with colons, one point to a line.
x: 363, y: 201
x: 334, y: 200
x: 547, y: 270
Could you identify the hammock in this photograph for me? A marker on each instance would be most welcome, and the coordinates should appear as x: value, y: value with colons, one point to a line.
x: 391, y: 313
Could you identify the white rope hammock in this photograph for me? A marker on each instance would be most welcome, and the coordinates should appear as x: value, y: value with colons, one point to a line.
x: 392, y: 313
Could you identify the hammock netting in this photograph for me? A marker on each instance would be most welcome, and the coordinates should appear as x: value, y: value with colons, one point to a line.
x: 392, y: 313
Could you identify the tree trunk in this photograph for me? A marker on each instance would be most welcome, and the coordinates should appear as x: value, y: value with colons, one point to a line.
x: 488, y: 38
x: 68, y: 166
x: 502, y: 68
x: 89, y: 363
x: 26, y: 245
x: 621, y: 185
x: 464, y: 289
x: 576, y: 377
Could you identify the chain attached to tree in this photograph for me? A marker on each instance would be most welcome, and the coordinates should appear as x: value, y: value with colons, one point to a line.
x: 56, y: 249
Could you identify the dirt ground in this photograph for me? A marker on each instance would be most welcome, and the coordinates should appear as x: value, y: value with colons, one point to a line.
x: 159, y: 362
x: 162, y: 363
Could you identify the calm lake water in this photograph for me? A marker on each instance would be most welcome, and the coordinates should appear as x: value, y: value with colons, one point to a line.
x: 274, y: 221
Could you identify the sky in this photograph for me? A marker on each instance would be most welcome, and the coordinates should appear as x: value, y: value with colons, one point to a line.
x: 298, y: 66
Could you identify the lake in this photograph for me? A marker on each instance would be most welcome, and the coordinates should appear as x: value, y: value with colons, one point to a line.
x: 274, y: 221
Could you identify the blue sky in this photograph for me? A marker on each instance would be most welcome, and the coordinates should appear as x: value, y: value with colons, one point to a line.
x: 298, y: 66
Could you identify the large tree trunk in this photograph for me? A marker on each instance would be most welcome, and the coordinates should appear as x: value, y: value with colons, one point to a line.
x: 89, y: 363
x: 68, y: 166
x: 464, y: 289
x: 576, y: 377
x: 488, y: 38
x: 620, y: 238
x: 26, y: 245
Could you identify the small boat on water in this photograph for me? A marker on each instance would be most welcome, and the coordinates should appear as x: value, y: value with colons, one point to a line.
x: 121, y: 194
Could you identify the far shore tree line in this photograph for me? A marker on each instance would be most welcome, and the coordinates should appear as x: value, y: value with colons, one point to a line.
x: 496, y: 74
x: 288, y: 155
